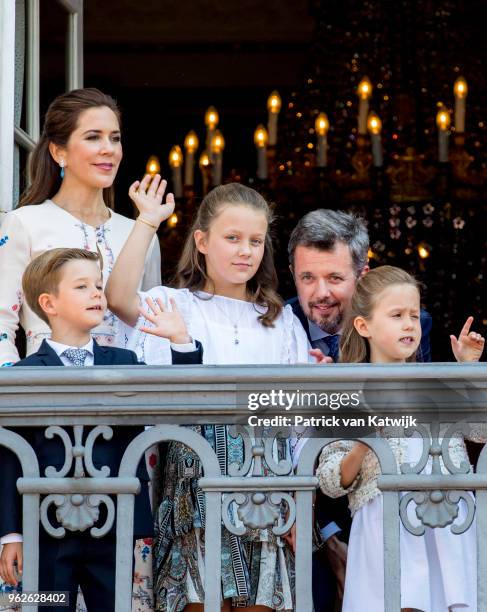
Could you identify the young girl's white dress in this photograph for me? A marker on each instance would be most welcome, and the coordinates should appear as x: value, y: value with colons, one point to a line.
x: 438, y: 570
x: 254, y: 567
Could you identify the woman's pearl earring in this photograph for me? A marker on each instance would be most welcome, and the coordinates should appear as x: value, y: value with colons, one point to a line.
x: 61, y: 165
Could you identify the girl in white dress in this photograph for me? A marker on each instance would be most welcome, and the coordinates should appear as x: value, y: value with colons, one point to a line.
x: 227, y: 298
x: 438, y: 570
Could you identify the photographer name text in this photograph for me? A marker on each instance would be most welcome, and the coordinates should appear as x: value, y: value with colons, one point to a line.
x: 297, y: 420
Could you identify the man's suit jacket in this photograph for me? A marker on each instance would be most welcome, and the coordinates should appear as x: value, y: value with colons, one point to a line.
x: 105, y: 452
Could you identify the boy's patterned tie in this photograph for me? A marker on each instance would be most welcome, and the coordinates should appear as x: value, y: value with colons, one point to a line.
x: 76, y: 356
x: 332, y: 342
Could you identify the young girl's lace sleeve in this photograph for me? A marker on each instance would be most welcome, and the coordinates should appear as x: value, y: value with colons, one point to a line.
x: 329, y: 468
x: 477, y: 433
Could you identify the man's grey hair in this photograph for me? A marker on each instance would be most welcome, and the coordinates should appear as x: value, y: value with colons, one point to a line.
x: 322, y: 229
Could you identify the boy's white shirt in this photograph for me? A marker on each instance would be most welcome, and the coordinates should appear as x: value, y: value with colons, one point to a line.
x: 59, y: 348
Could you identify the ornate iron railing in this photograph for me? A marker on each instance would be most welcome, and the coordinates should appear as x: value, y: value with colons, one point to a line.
x: 167, y: 398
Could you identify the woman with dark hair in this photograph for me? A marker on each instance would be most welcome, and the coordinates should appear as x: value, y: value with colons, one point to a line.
x: 69, y: 203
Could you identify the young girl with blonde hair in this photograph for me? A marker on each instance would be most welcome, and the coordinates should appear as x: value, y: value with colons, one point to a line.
x: 227, y: 299
x: 438, y: 570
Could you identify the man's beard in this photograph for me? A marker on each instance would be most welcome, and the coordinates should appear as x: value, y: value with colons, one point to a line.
x: 327, y: 323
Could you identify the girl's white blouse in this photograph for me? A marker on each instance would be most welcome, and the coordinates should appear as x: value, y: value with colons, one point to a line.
x: 217, y: 322
x: 27, y: 232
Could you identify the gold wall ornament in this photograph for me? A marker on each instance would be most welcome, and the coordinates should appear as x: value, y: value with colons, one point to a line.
x: 410, y: 177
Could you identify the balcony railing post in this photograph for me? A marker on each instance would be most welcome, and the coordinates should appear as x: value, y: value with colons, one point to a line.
x: 392, y: 566
x: 30, y: 509
x: 124, y: 565
x: 213, y: 535
x: 304, y: 521
x: 481, y: 513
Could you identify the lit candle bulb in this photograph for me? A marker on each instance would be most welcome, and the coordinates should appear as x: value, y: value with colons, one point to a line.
x: 217, y: 146
x: 423, y: 250
x: 176, y: 162
x: 190, y: 145
x: 153, y: 166
x: 321, y: 128
x: 364, y: 91
x: 443, y: 123
x: 460, y: 89
x: 205, y: 166
x: 260, y: 139
x: 374, y: 125
x: 211, y: 121
x: 173, y: 220
x: 273, y: 106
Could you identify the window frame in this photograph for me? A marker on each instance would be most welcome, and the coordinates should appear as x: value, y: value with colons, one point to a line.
x: 11, y: 135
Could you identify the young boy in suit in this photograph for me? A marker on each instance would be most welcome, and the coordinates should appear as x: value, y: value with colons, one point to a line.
x: 64, y: 287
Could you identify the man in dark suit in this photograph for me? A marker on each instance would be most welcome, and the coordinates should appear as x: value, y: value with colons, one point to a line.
x: 328, y: 253
x: 63, y: 286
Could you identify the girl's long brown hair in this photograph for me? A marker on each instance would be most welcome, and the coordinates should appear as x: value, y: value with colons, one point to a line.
x: 354, y: 348
x: 191, y: 271
x: 60, y: 122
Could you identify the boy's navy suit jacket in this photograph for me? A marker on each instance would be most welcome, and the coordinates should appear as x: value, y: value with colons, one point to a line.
x: 105, y: 452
